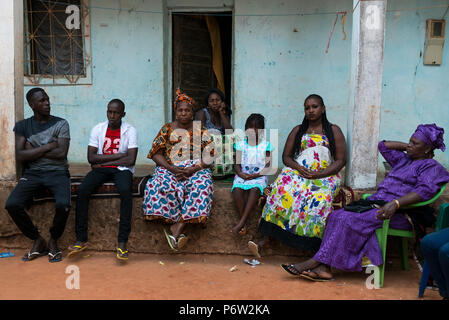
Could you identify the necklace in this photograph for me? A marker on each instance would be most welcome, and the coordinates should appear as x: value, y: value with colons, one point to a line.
x: 314, y: 131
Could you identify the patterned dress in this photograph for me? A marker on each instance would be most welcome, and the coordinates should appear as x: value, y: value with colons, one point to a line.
x: 173, y: 200
x: 297, y: 208
x: 253, y: 161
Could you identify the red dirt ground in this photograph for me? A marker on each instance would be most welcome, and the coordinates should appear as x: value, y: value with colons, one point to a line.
x: 191, y: 277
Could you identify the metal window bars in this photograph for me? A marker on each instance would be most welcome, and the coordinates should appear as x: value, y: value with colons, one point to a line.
x: 55, y: 52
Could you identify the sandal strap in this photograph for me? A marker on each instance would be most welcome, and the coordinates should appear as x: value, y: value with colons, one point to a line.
x: 77, y: 247
x: 122, y: 251
x: 169, y: 238
x: 54, y: 255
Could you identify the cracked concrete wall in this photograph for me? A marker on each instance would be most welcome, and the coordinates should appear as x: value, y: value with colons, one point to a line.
x: 413, y: 93
x: 279, y: 58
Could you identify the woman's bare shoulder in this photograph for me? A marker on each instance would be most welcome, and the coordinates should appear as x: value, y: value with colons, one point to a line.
x: 295, y: 129
x: 336, y: 129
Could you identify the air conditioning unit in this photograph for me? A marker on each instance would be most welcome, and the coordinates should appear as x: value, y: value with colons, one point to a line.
x: 433, y: 52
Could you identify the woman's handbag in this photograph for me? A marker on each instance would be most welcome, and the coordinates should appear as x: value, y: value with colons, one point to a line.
x: 364, y: 205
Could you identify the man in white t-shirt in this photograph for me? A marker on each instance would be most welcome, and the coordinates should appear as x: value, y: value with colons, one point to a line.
x: 112, y: 153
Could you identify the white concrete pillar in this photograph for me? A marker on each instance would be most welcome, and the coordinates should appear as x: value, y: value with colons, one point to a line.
x: 11, y: 82
x: 368, y: 36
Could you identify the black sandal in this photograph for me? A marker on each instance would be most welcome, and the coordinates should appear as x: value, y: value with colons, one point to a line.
x: 290, y: 268
x: 55, y: 257
x: 29, y: 256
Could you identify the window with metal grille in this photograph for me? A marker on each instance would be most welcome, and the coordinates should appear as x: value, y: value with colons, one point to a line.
x: 56, y: 46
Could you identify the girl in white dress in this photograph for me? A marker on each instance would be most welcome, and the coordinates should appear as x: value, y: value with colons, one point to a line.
x: 253, y: 156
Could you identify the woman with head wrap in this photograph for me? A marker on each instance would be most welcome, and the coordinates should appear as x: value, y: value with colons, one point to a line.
x: 349, y: 236
x: 181, y: 189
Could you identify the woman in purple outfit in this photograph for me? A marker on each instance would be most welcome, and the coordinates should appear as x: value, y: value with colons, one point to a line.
x: 349, y: 236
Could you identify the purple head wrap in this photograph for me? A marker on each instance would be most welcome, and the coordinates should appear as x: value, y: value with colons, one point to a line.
x: 431, y: 134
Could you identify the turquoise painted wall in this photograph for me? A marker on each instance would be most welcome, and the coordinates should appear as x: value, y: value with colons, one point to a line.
x: 279, y: 59
x: 127, y: 63
x: 277, y: 68
x: 413, y: 93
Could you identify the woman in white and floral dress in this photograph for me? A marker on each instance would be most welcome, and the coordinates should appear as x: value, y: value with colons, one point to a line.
x: 301, y: 197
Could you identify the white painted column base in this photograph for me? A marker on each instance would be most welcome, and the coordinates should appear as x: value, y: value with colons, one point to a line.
x: 11, y: 82
x: 368, y: 36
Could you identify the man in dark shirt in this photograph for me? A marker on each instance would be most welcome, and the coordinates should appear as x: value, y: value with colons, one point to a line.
x: 42, y: 143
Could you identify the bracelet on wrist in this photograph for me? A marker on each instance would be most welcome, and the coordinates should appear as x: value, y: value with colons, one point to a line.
x: 397, y: 203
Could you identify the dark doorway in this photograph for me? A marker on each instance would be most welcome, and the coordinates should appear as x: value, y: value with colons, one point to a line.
x: 193, y: 54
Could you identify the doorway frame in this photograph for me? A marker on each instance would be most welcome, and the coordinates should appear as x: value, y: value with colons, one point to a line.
x: 168, y: 52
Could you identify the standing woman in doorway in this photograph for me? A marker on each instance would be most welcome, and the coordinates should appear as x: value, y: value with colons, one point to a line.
x: 301, y: 198
x: 216, y: 115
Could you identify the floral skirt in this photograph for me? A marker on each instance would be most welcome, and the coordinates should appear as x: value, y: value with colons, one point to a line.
x: 172, y: 200
x: 301, y: 206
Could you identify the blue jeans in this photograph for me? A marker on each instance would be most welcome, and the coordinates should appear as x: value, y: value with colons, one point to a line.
x: 435, y: 249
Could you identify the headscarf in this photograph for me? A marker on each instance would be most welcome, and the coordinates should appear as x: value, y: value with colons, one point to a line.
x: 183, y: 97
x: 431, y: 134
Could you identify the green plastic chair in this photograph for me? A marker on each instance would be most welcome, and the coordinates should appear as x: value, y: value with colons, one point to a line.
x: 383, y: 233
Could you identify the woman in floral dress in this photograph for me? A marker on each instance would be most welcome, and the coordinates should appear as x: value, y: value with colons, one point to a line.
x: 301, y: 197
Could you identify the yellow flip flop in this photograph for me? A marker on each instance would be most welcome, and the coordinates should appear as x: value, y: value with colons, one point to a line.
x: 73, y: 250
x: 122, y: 254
